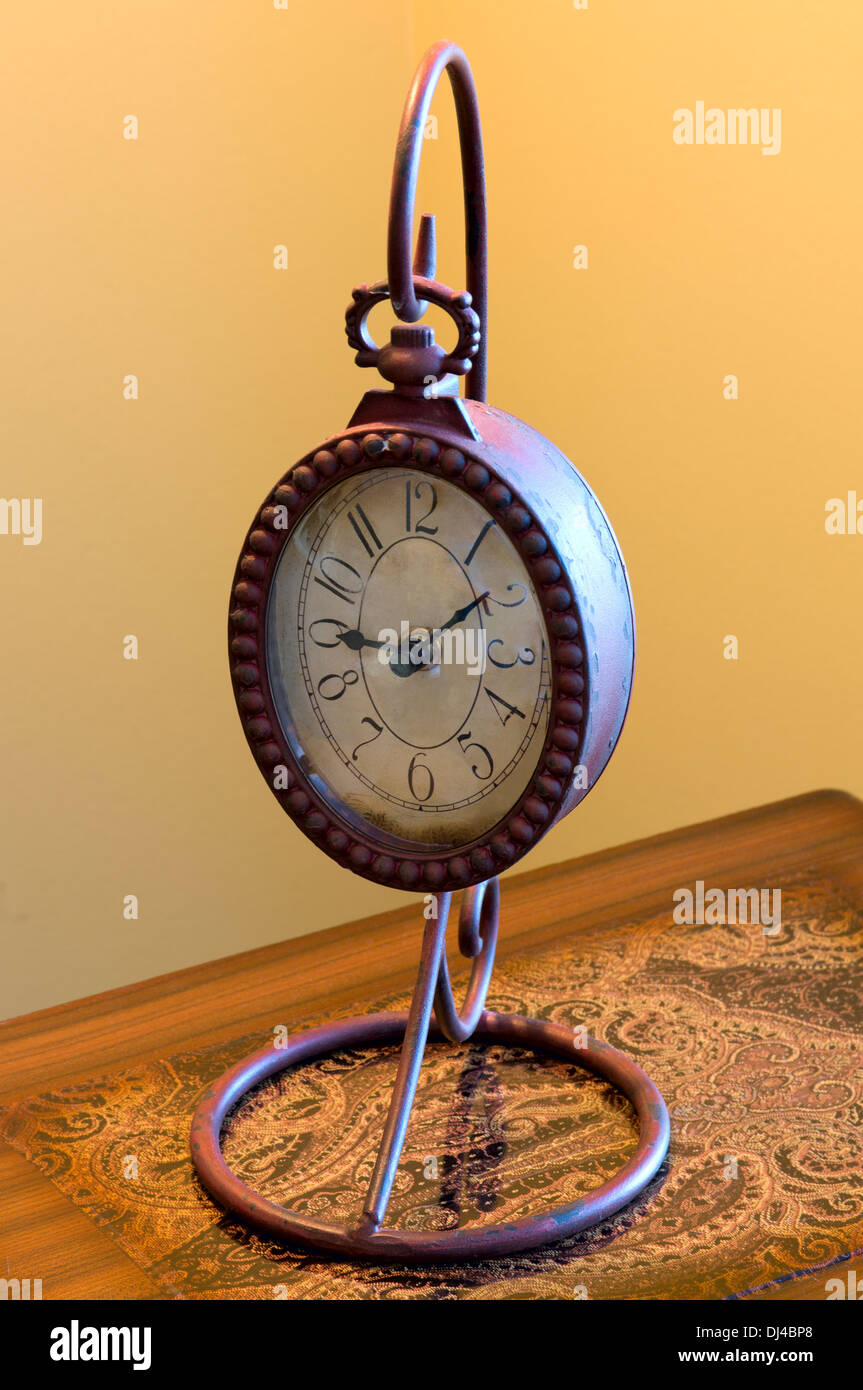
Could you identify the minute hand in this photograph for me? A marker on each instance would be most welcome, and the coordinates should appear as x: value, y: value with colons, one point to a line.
x: 461, y: 613
x: 408, y: 668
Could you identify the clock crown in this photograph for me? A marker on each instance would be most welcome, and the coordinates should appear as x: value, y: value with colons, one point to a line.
x: 411, y: 359
x: 411, y: 336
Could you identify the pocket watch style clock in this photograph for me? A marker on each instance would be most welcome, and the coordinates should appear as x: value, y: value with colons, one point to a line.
x: 432, y: 644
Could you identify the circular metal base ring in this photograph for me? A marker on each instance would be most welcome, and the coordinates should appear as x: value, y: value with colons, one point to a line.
x: 363, y: 1241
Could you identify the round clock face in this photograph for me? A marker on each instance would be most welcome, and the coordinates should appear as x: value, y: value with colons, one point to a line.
x: 408, y: 659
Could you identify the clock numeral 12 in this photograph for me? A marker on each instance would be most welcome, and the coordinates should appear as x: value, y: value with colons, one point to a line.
x: 418, y: 528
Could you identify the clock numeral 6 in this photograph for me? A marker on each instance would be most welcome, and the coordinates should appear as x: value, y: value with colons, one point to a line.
x: 414, y: 771
x: 343, y: 681
x: 464, y: 741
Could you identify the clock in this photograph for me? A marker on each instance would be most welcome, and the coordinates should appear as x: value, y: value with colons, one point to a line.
x: 431, y: 629
x: 431, y: 643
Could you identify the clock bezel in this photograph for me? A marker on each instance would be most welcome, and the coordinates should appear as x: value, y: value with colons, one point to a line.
x: 418, y: 869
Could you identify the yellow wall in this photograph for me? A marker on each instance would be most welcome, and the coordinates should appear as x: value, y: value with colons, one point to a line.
x: 154, y: 257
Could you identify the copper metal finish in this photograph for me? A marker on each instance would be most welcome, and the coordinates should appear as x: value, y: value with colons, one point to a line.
x: 440, y: 57
x: 369, y: 1239
x: 533, y: 492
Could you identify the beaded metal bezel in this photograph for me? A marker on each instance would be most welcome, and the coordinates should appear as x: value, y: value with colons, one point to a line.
x: 543, y: 798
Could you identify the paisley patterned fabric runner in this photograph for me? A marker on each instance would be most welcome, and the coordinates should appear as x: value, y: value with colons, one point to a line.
x: 754, y: 1040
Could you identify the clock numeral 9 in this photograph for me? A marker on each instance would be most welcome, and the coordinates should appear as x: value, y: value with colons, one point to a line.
x: 414, y: 771
x: 323, y: 622
x: 349, y: 678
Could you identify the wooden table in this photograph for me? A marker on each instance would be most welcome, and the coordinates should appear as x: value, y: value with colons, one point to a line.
x: 347, y: 966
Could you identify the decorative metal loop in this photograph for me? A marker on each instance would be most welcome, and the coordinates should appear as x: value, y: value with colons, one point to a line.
x: 400, y: 270
x: 456, y: 304
x: 477, y: 937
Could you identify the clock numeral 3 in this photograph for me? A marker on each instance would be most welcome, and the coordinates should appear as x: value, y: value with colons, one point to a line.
x: 526, y: 656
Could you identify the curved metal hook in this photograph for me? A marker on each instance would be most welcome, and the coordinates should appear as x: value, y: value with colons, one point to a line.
x: 465, y: 318
x: 477, y: 939
x: 400, y: 268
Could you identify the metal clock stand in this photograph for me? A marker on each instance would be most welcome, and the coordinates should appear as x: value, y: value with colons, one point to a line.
x: 433, y: 1012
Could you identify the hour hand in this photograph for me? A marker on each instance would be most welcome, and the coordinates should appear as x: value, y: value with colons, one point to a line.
x: 355, y: 640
